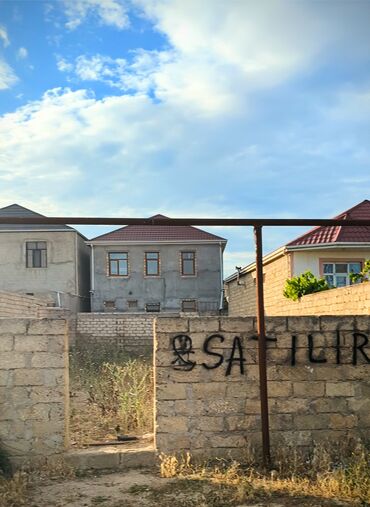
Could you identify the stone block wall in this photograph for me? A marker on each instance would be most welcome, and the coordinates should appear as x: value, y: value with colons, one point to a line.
x: 13, y: 304
x: 132, y: 333
x: 207, y: 389
x: 350, y: 300
x: 33, y: 388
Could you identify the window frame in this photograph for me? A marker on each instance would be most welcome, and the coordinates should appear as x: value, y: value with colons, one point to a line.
x: 189, y: 301
x: 158, y: 261
x: 43, y: 259
x: 194, y: 262
x: 334, y: 261
x: 117, y: 262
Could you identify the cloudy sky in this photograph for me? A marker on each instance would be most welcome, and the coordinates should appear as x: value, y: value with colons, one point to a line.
x: 221, y: 108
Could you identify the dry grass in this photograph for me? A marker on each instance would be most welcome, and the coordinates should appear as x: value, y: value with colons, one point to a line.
x: 110, y: 394
x: 331, y: 472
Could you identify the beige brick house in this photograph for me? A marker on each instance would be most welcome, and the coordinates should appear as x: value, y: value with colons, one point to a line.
x: 332, y: 251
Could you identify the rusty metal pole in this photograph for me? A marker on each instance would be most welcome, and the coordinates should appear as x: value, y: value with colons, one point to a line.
x: 262, y: 363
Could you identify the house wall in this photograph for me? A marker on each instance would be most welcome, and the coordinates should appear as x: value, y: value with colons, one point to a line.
x: 242, y: 297
x: 212, y: 413
x: 169, y: 288
x: 305, y: 260
x: 33, y: 388
x: 60, y: 274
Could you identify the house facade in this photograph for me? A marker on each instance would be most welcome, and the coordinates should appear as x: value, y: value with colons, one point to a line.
x: 157, y: 268
x: 51, y: 262
x: 332, y: 252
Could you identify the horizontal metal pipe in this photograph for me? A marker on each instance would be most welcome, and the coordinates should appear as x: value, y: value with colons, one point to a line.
x: 261, y: 222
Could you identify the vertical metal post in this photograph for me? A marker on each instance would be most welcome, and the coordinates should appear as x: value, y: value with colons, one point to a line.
x: 262, y: 347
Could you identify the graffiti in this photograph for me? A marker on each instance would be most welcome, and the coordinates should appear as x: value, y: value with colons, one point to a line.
x: 182, y: 348
x: 234, y: 355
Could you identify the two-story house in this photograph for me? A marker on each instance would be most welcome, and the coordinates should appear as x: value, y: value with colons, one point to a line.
x: 157, y: 268
x: 332, y: 252
x: 46, y: 261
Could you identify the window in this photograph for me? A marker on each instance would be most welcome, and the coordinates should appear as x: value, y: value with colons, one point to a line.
x: 153, y: 307
x: 118, y: 264
x: 189, y: 305
x: 337, y: 273
x: 132, y: 303
x: 36, y: 254
x: 188, y: 263
x: 109, y: 306
x: 151, y: 263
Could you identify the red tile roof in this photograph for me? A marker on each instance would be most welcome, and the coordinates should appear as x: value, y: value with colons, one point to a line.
x: 338, y: 233
x: 158, y: 233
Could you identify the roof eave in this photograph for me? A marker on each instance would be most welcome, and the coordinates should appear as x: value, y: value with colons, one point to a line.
x: 321, y: 246
x: 251, y: 267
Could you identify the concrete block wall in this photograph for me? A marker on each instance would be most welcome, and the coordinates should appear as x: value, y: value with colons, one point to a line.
x: 132, y: 333
x: 13, y: 304
x: 33, y: 388
x: 215, y: 411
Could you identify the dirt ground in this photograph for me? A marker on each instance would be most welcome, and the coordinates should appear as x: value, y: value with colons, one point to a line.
x: 147, y: 489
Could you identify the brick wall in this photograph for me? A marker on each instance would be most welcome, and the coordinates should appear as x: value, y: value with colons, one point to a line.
x: 132, y: 333
x: 351, y: 300
x: 211, y: 413
x: 33, y: 388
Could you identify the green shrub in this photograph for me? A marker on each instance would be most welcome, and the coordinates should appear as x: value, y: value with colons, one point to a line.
x: 362, y: 276
x: 303, y: 284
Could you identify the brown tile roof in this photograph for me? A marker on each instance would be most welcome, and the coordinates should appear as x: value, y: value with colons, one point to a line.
x: 158, y: 233
x: 338, y: 233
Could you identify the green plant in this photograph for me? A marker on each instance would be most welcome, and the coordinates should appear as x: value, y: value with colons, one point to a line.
x: 362, y: 276
x: 303, y: 284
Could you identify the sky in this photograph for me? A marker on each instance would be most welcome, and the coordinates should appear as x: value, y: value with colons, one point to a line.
x: 189, y: 108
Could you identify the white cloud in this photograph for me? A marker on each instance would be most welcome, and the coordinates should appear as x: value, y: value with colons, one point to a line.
x: 7, y: 75
x: 108, y: 12
x: 4, y: 36
x: 22, y: 53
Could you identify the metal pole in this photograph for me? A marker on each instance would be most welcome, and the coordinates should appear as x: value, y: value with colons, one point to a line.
x: 262, y: 348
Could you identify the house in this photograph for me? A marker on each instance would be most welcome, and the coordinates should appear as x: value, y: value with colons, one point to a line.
x: 157, y: 268
x: 50, y: 262
x: 329, y: 251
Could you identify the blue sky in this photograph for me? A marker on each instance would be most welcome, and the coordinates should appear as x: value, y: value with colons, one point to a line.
x: 221, y: 108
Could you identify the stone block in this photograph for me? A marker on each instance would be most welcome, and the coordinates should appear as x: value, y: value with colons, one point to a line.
x: 53, y: 377
x: 281, y: 422
x: 327, y: 405
x: 172, y: 424
x: 48, y: 360
x: 12, y: 360
x: 309, y: 389
x: 252, y: 407
x: 167, y: 442
x: 210, y: 423
x: 221, y: 441
x: 362, y: 323
x: 340, y: 421
x: 189, y: 408
x: 237, y: 325
x: 6, y: 343
x: 224, y: 406
x: 28, y: 377
x: 56, y: 343
x: 4, y: 377
x: 29, y: 343
x: 204, y: 325
x: 287, y: 406
x: 336, y: 323
x: 171, y: 325
x: 339, y: 389
x: 243, y: 423
x: 311, y: 422
x: 276, y: 325
x: 243, y: 390
x: 41, y: 394
x: 47, y: 327
x: 209, y: 390
x: 171, y: 392
x: 277, y: 389
x: 13, y: 326
x: 306, y: 325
